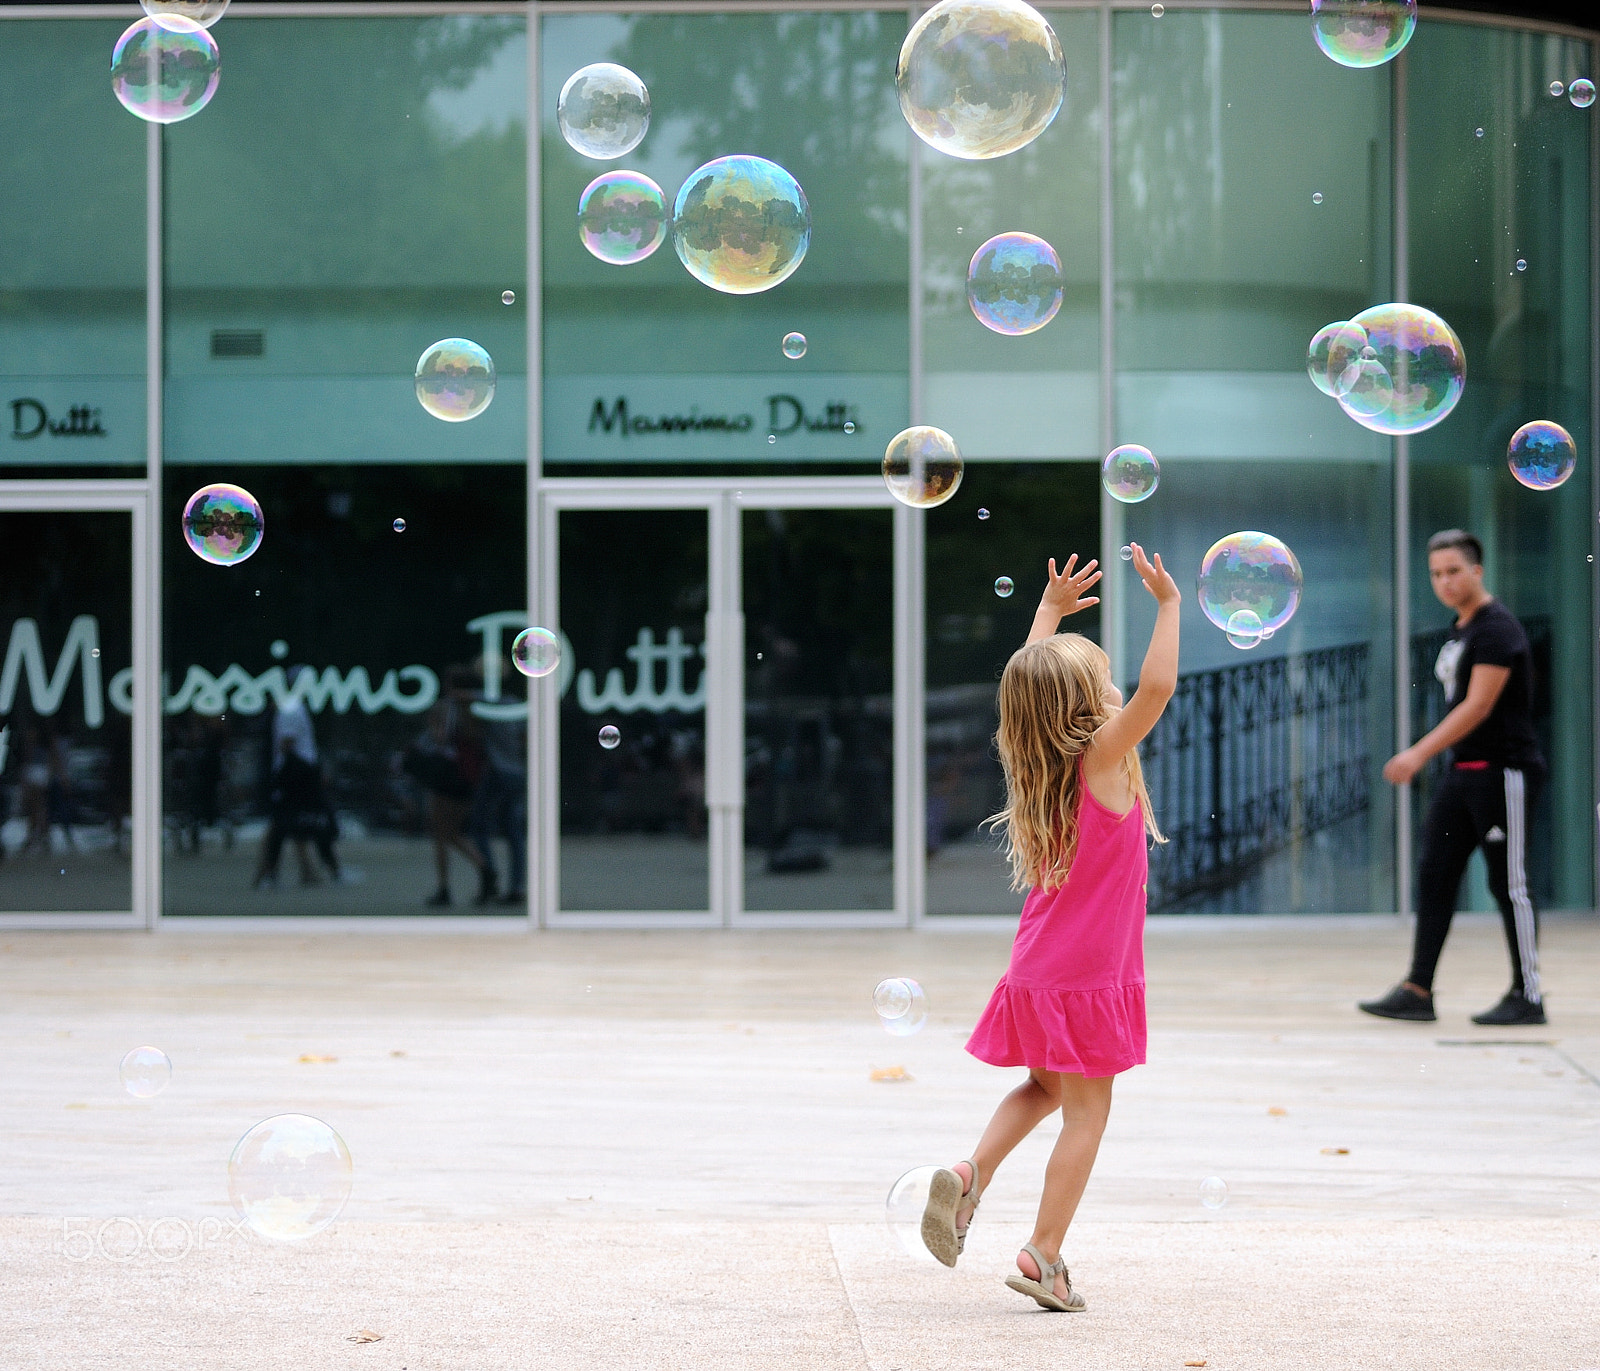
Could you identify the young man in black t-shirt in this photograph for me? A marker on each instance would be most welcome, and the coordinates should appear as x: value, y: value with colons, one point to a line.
x: 1487, y: 793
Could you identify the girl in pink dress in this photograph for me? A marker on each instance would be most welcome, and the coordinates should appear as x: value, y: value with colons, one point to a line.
x: 1070, y: 1007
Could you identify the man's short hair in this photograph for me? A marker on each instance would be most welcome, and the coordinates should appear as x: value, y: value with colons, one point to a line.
x: 1470, y: 547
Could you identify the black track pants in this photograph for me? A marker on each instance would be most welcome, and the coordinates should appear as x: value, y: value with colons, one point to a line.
x: 1487, y: 809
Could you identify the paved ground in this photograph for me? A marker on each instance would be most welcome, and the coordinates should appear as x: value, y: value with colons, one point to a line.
x: 664, y: 1150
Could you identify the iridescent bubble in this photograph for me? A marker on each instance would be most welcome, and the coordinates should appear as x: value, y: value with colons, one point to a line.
x: 903, y: 1211
x: 1213, y: 1192
x: 603, y: 111
x: 455, y: 380
x: 1332, y: 350
x: 1125, y: 552
x: 1581, y: 92
x: 1156, y: 11
x: 1362, y: 33
x: 849, y: 427
x: 1014, y: 283
x: 165, y: 69
x: 622, y: 217
x: 399, y: 525
x: 1003, y: 587
x: 1477, y: 133
x: 794, y: 346
x: 222, y: 524
x: 1366, y: 388
x: 1542, y: 454
x: 901, y: 1005
x: 202, y: 12
x: 1425, y: 361
x: 980, y: 78
x: 289, y: 1176
x: 145, y: 1072
x: 610, y: 736
x: 1265, y: 634
x: 1557, y: 89
x: 536, y: 652
x: 1130, y: 473
x: 1253, y: 571
x: 922, y: 466
x: 772, y: 437
x: 983, y: 514
x: 1316, y: 197
x: 508, y: 297
x: 1244, y: 628
x: 741, y: 224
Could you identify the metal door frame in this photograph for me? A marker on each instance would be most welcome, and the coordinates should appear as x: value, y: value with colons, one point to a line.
x: 133, y: 498
x: 724, y: 499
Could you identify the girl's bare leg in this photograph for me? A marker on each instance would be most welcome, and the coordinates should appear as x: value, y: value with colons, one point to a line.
x: 1085, y: 1106
x: 1023, y: 1110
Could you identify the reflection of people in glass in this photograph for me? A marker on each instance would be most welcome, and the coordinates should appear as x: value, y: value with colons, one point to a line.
x: 500, y: 809
x: 45, y: 792
x: 296, y: 803
x: 449, y: 761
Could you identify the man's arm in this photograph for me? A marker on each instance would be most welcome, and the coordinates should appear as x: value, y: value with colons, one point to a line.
x: 1483, y: 689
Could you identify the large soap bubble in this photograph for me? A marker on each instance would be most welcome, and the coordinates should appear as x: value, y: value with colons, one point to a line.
x: 1014, y: 283
x: 603, y: 111
x: 222, y: 524
x: 455, y: 380
x: 1252, y: 571
x: 922, y: 466
x: 289, y: 1176
x: 901, y: 1005
x: 1366, y: 388
x: 165, y: 69
x: 1425, y: 362
x: 904, y: 1208
x: 1362, y: 33
x: 536, y: 652
x: 145, y: 1072
x: 1130, y: 473
x: 980, y: 78
x: 741, y: 224
x: 1331, y: 352
x: 1542, y: 454
x: 622, y: 217
x: 202, y: 12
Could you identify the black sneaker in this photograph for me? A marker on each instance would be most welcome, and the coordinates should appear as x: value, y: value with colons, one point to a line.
x: 1401, y: 1003
x: 1512, y: 1011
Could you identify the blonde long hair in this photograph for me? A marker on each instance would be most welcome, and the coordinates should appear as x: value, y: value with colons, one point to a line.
x: 1052, y: 699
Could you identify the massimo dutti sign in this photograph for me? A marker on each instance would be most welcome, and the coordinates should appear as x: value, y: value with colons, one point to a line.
x: 692, y: 417
x: 31, y: 419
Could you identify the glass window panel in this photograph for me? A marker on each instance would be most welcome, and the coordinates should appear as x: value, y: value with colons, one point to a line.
x: 629, y: 347
x: 72, y: 287
x: 65, y: 711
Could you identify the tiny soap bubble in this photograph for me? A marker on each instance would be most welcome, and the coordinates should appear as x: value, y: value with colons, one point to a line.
x: 849, y: 427
x: 1126, y: 553
x: 610, y: 736
x: 794, y: 346
x: 1003, y: 587
x: 1477, y: 133
x: 983, y: 514
x: 536, y: 652
x: 1521, y: 264
x: 1156, y: 11
x: 1213, y: 1192
x: 1557, y: 90
x: 1316, y: 197
x: 399, y: 525
x: 508, y: 297
x: 1581, y: 92
x: 901, y: 1005
x: 145, y: 1071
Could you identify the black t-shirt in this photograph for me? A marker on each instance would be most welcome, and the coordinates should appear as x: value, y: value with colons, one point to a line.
x: 1492, y: 637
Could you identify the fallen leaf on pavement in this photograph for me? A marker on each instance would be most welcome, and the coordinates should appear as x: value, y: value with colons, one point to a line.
x: 365, y: 1335
x: 316, y: 1057
x: 1194, y: 1363
x: 1277, y: 1111
x: 890, y: 1073
x: 1335, y: 1151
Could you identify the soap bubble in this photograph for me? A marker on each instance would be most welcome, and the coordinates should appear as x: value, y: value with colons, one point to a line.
x: 901, y: 1005
x: 165, y: 69
x: 922, y: 466
x: 145, y: 1072
x: 849, y: 427
x: 222, y: 524
x: 1332, y: 350
x: 1213, y: 1192
x: 1156, y: 11
x: 622, y: 217
x: 741, y: 224
x: 980, y: 78
x: 1014, y: 283
x: 399, y: 525
x: 1581, y: 92
x: 455, y: 380
x: 536, y: 652
x: 289, y: 1176
x: 1244, y: 628
x: 1542, y: 455
x: 603, y: 111
x: 903, y: 1210
x: 202, y: 12
x: 508, y: 297
x: 1125, y: 552
x: 1477, y: 133
x: 1130, y: 473
x: 983, y: 514
x: 1251, y: 571
x: 1425, y: 361
x: 610, y: 736
x: 1003, y: 587
x: 1556, y: 90
x: 794, y: 346
x: 1362, y: 33
x: 1316, y: 197
x: 1366, y: 388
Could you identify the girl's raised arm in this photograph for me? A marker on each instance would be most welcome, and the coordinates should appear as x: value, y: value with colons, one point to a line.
x: 1063, y: 595
x: 1158, y: 677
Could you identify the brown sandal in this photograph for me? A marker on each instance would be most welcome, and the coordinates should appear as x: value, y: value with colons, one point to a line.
x: 1043, y: 1290
x: 946, y: 1199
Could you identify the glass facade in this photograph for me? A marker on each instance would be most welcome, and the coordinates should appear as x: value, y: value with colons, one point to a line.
x: 342, y: 730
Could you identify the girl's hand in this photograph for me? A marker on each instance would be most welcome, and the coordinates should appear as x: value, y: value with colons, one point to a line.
x: 1156, y: 578
x: 1063, y: 595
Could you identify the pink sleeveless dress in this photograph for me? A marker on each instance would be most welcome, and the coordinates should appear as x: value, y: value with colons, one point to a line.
x: 1072, y: 999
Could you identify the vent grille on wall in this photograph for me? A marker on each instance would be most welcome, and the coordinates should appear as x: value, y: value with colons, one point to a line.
x: 238, y: 342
